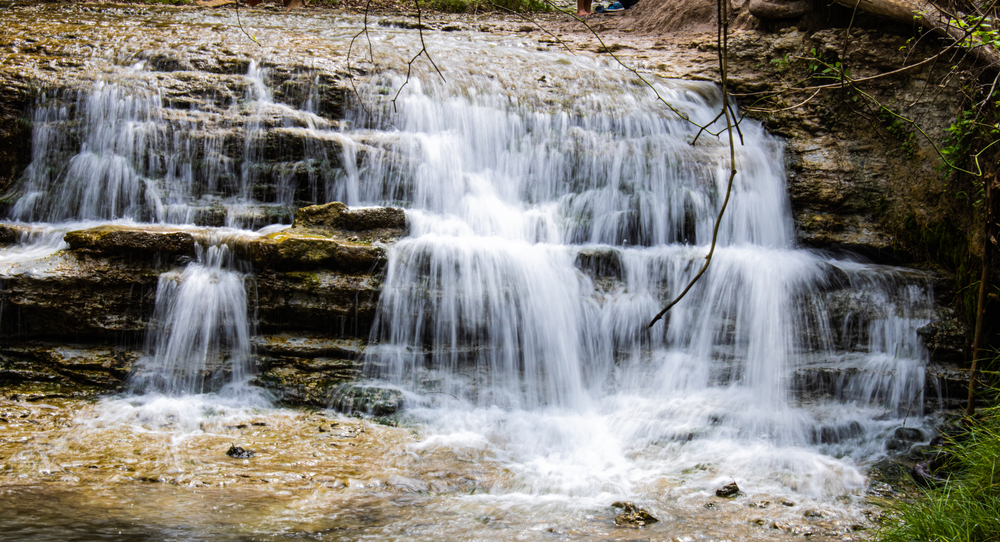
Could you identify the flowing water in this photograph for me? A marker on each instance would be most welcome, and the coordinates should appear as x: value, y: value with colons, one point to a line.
x: 554, y: 204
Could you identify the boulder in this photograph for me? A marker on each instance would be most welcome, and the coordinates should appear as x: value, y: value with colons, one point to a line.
x: 337, y: 216
x: 367, y: 400
x: 128, y: 240
x: 632, y: 516
x: 728, y: 491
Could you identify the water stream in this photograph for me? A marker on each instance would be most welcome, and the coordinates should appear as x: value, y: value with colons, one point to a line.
x: 554, y: 204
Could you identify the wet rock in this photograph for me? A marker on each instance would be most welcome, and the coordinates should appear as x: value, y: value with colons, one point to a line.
x: 813, y: 513
x: 239, y: 453
x: 909, y: 434
x: 9, y: 234
x: 889, y: 479
x: 77, y: 296
x: 945, y: 339
x: 367, y: 400
x: 307, y: 346
x: 728, y: 491
x: 306, y: 382
x: 15, y: 138
x: 632, y: 516
x: 897, y: 445
x: 287, y: 251
x: 320, y: 302
x: 837, y: 433
x: 128, y: 240
x: 337, y: 216
x: 600, y: 262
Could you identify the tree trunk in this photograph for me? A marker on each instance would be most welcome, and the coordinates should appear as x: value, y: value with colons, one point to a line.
x: 984, y: 287
x: 927, y: 15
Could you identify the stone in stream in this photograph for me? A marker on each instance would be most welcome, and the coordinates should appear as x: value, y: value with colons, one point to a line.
x: 728, y: 491
x: 239, y: 453
x: 368, y: 400
x: 336, y: 216
x: 910, y: 434
x: 632, y: 516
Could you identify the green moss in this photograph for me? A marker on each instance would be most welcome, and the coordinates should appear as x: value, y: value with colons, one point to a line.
x: 308, y: 279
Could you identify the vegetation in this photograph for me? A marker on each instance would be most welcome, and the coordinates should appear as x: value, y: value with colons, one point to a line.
x: 966, y: 508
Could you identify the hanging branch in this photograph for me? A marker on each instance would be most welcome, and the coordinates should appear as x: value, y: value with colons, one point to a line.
x: 723, y: 41
x: 371, y: 55
x: 422, y: 51
x: 989, y: 239
x: 240, y: 23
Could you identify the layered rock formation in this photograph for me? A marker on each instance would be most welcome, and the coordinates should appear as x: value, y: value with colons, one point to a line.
x: 854, y: 181
x: 75, y: 320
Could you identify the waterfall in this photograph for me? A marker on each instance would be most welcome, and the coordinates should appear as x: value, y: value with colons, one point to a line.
x: 553, y: 208
x: 199, y: 337
x: 543, y: 239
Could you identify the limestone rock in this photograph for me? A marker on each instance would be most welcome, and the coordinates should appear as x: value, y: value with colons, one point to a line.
x: 632, y: 516
x: 945, y: 339
x: 285, y: 251
x: 728, y: 490
x: 306, y: 370
x: 125, y: 240
x: 367, y: 400
x: 337, y: 216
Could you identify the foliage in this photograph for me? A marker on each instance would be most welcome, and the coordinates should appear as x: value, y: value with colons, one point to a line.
x: 967, y: 507
x: 979, y: 31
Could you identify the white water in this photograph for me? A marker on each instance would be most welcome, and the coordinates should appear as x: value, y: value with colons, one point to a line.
x: 547, y: 225
x: 542, y: 241
x: 198, y: 339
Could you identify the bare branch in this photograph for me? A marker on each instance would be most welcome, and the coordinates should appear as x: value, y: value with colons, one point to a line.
x: 240, y: 23
x: 371, y: 56
x: 723, y: 7
x: 423, y: 51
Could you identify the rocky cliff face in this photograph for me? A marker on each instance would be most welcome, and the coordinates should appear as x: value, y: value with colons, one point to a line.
x: 76, y: 321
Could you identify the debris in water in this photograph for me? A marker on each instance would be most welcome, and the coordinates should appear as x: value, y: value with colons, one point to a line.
x: 728, y: 490
x: 633, y: 516
x: 923, y: 475
x: 239, y: 453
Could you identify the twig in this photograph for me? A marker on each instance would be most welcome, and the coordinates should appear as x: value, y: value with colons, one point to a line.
x: 723, y: 31
x: 371, y: 56
x: 422, y: 51
x: 240, y: 22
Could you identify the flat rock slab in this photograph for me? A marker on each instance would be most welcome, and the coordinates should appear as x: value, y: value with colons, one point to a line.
x: 128, y: 239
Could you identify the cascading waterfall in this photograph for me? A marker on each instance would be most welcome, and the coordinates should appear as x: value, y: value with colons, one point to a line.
x: 199, y: 336
x: 543, y: 239
x: 118, y: 151
x: 552, y: 210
